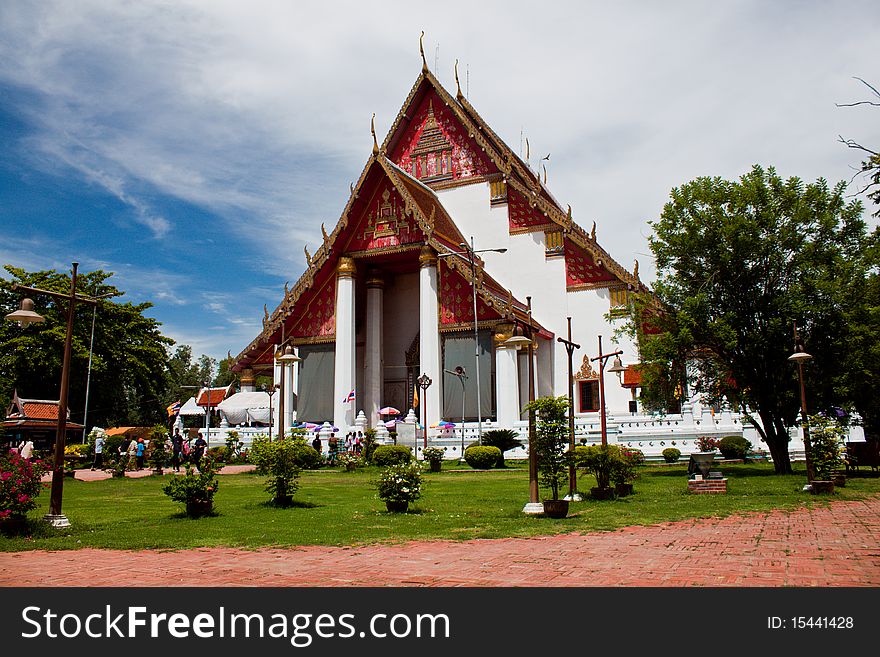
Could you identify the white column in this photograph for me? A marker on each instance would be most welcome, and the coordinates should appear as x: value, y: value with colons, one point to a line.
x: 373, y: 364
x: 429, y: 334
x: 343, y: 412
x: 506, y: 379
x: 289, y: 389
x: 276, y: 379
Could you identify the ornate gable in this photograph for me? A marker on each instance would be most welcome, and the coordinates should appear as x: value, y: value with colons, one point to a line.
x: 436, y: 149
x: 522, y: 217
x: 385, y: 222
x: 457, y: 301
x: 583, y: 271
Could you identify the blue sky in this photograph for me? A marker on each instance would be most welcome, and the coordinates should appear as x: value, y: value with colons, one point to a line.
x: 193, y: 148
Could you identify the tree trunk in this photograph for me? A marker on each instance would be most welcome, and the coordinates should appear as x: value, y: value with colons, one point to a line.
x: 776, y: 438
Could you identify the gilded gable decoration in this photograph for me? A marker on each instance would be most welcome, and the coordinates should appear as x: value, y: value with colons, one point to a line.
x: 586, y: 372
x: 384, y: 223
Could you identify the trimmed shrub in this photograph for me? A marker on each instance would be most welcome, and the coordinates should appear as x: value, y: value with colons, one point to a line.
x: 281, y: 461
x: 385, y: 455
x: 734, y: 447
x: 503, y: 439
x: 671, y: 454
x: 482, y: 458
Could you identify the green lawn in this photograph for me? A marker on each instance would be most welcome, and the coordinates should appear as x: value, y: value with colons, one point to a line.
x: 337, y: 508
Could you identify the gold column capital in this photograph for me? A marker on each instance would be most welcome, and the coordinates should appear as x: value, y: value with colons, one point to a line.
x: 427, y: 257
x: 375, y: 280
x: 346, y: 267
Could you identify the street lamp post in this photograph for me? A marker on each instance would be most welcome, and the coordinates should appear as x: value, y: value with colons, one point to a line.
x: 533, y: 506
x: 617, y: 368
x: 270, y: 390
x: 424, y: 382
x: 800, y: 357
x: 91, y: 349
x: 284, y: 358
x: 572, y: 470
x: 26, y: 315
x: 462, y: 375
x: 470, y: 252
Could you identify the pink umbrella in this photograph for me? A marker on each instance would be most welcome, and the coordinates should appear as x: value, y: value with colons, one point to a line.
x: 388, y: 410
x: 391, y: 424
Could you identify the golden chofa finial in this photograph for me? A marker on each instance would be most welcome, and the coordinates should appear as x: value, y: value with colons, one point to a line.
x: 422, y: 52
x: 373, y: 132
x: 457, y: 83
x: 636, y: 270
x: 593, y: 232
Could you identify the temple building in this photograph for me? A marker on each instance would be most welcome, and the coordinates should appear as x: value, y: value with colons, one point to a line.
x: 385, y: 299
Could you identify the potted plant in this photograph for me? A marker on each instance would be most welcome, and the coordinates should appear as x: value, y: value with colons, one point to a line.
x: 434, y: 456
x: 350, y: 462
x: 624, y: 470
x: 826, y: 451
x: 551, y: 450
x: 601, y: 461
x: 196, y: 491
x: 399, y: 485
x: 705, y: 457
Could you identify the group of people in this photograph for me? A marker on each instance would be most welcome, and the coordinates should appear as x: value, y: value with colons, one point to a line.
x: 182, y: 450
x: 353, y: 444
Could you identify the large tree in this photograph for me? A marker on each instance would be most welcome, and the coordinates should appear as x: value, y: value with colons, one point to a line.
x: 738, y: 262
x: 130, y: 376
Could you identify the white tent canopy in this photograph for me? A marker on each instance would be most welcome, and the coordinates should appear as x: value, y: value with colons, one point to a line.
x: 191, y: 408
x: 244, y: 407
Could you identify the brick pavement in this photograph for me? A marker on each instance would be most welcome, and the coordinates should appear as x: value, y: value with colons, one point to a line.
x: 833, y: 545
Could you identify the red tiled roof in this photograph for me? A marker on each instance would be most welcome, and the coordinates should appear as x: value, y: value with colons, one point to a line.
x: 41, y: 410
x: 212, y: 396
x: 632, y: 377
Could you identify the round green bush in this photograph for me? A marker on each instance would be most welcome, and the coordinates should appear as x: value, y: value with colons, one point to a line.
x: 385, y: 455
x: 671, y: 454
x: 734, y: 447
x: 482, y: 458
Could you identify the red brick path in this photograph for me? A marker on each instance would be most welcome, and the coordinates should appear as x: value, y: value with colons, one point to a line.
x: 835, y: 545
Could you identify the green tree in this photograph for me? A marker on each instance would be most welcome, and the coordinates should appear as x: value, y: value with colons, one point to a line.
x: 130, y: 361
x: 738, y: 262
x: 551, y: 441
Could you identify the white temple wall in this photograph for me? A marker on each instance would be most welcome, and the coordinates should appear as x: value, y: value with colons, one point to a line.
x: 526, y: 271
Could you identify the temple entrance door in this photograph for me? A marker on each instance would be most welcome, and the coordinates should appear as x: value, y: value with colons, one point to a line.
x: 398, y: 390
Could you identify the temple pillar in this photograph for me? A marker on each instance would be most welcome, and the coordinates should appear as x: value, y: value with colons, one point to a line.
x: 506, y: 378
x: 429, y: 334
x: 373, y: 365
x: 343, y: 380
x: 289, y: 390
x: 247, y: 380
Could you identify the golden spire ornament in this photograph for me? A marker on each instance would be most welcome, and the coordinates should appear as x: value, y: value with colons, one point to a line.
x: 373, y: 132
x: 457, y: 83
x: 422, y: 52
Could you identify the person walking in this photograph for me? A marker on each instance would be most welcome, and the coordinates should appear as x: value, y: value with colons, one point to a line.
x: 99, y: 453
x: 140, y: 448
x: 199, y: 450
x: 123, y: 450
x: 176, y: 450
x: 332, y: 447
x: 132, y: 455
